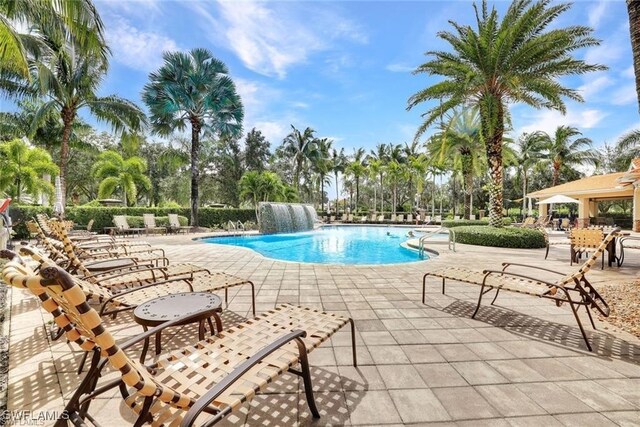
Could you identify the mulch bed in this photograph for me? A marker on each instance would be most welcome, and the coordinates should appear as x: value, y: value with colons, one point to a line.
x: 624, y: 300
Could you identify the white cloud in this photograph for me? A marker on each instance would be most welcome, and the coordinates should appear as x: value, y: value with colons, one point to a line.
x: 301, y: 105
x: 135, y: 48
x: 594, y: 86
x: 549, y: 120
x: 596, y: 14
x: 399, y: 68
x: 274, y: 131
x: 269, y: 39
x: 625, y: 95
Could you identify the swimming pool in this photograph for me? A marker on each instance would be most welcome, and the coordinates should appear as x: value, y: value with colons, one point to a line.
x: 332, y: 245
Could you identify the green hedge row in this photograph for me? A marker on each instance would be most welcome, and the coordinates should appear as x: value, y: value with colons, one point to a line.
x: 466, y: 222
x: 103, y: 216
x: 508, y: 237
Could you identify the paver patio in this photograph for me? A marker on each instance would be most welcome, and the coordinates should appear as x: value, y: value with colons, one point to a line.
x: 521, y: 362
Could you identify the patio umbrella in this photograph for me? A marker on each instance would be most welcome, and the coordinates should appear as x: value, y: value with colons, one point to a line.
x: 58, y: 206
x: 559, y: 198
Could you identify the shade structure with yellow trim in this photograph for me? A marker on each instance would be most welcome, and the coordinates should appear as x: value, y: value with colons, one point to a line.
x: 559, y: 198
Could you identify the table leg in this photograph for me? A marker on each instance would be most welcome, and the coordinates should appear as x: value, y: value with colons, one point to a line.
x: 213, y: 329
x: 218, y: 322
x: 201, y: 330
x: 158, y: 342
x: 145, y: 346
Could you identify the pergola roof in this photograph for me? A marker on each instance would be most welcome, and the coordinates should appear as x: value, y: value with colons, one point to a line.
x: 593, y: 186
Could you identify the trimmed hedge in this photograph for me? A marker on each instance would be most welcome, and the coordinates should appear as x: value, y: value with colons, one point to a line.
x: 508, y: 237
x: 103, y: 216
x: 465, y: 222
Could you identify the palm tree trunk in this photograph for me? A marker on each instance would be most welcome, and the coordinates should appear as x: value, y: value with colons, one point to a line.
x: 468, y: 184
x: 357, y: 193
x: 633, y: 8
x: 524, y: 191
x: 322, y: 193
x: 433, y: 197
x: 337, y: 193
x: 556, y: 173
x: 195, y: 170
x: 491, y: 110
x: 381, y: 193
x: 68, y: 116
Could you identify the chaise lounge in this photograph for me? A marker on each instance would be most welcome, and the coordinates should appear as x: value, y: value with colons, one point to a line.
x: 573, y: 289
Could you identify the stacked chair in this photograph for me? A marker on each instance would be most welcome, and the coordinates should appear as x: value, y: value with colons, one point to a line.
x: 198, y: 384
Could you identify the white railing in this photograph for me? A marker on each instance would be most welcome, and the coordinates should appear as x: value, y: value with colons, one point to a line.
x: 240, y: 226
x: 231, y: 226
x: 441, y: 230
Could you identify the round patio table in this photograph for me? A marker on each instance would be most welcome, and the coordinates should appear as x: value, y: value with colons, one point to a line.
x: 170, y: 307
x: 109, y: 264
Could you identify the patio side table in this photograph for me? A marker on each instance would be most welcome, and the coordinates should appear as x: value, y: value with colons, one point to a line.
x: 170, y: 307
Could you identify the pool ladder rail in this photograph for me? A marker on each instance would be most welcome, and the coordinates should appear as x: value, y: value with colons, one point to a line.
x: 235, y: 226
x: 441, y: 230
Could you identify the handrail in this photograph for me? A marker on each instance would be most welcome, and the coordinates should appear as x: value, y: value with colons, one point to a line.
x: 240, y: 225
x: 440, y: 230
x: 231, y: 225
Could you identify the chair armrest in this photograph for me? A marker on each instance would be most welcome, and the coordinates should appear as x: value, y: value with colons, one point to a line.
x: 634, y: 238
x: 138, y: 288
x: 487, y: 273
x: 202, y: 403
x: 146, y: 267
x: 507, y: 264
x: 183, y: 319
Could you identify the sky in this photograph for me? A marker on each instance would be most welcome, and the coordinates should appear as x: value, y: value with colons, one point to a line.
x: 344, y: 68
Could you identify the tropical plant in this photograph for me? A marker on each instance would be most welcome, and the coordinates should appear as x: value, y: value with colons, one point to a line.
x: 396, y: 172
x: 193, y: 88
x: 629, y: 146
x: 459, y: 142
x: 256, y: 152
x: 501, y: 62
x: 357, y: 169
x: 263, y: 187
x: 117, y: 173
x: 63, y: 21
x: 22, y: 170
x: 565, y: 151
x: 338, y: 164
x: 529, y: 151
x: 322, y: 164
x: 377, y: 161
x: 300, y: 146
x: 633, y: 10
x: 69, y: 82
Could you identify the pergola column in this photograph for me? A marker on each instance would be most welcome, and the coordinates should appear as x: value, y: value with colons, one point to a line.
x: 543, y: 210
x: 636, y: 207
x: 583, y: 213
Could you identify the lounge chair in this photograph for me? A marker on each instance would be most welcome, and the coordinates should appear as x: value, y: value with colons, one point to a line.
x: 350, y: 218
x: 456, y: 217
x: 409, y: 218
x: 363, y: 218
x: 528, y: 221
x: 556, y: 242
x: 393, y: 218
x: 472, y: 217
x: 626, y: 243
x: 150, y: 224
x: 400, y: 218
x: 174, y: 225
x: 437, y: 219
x: 573, y: 288
x: 122, y: 226
x: 380, y: 219
x: 585, y: 240
x: 565, y: 224
x: 344, y: 218
x: 215, y: 375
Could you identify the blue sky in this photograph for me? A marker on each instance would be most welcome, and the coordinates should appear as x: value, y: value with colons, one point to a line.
x: 344, y: 68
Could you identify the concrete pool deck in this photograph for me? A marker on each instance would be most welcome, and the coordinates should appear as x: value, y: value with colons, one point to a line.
x: 520, y: 362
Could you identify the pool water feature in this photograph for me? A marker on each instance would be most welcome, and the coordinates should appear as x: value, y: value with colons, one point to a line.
x: 332, y: 245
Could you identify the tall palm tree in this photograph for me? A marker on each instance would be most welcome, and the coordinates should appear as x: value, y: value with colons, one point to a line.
x: 529, y: 151
x: 396, y: 172
x: 64, y: 21
x: 381, y: 155
x: 418, y: 166
x: 70, y: 82
x: 357, y: 169
x: 193, y: 88
x: 375, y: 169
x: 501, y: 62
x: 565, y: 151
x: 115, y: 172
x: 22, y: 169
x: 629, y: 146
x: 338, y: 164
x: 300, y: 146
x: 633, y: 9
x: 321, y: 164
x: 459, y: 142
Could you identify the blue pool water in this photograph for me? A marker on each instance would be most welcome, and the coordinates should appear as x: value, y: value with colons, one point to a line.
x: 331, y: 245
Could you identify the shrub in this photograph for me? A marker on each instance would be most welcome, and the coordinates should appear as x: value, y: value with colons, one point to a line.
x: 465, y: 222
x: 103, y: 216
x: 508, y: 237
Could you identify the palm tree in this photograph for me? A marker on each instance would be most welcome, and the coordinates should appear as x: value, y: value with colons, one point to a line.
x: 322, y: 165
x: 263, y: 187
x: 529, y: 152
x: 22, y: 169
x: 357, y: 169
x: 338, y: 164
x: 396, y: 172
x: 117, y: 173
x: 564, y: 151
x: 70, y: 83
x: 629, y: 146
x: 64, y: 21
x: 193, y: 88
x: 418, y: 166
x: 633, y: 9
x: 380, y: 156
x: 459, y: 142
x: 516, y: 59
x: 300, y: 146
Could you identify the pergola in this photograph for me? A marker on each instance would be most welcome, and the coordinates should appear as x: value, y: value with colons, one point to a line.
x: 598, y: 188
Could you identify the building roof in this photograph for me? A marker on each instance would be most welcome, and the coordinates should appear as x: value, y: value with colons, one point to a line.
x: 594, y: 186
x: 632, y: 175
